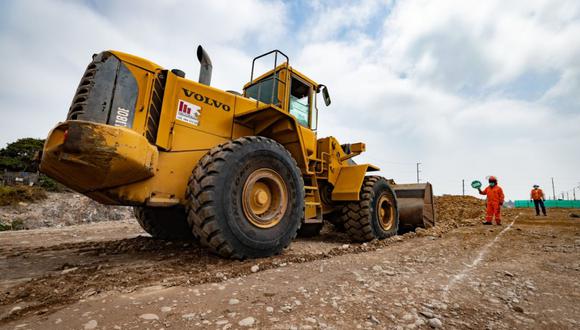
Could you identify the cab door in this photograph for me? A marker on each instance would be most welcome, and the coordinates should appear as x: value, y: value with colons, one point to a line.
x: 300, y: 105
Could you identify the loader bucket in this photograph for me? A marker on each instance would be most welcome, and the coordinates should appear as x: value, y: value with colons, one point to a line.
x: 415, y: 203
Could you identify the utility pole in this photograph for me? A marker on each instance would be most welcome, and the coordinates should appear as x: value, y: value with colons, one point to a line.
x: 418, y: 172
x: 574, y: 192
x: 562, y: 196
x: 463, y: 184
x: 553, y: 189
x: 567, y: 195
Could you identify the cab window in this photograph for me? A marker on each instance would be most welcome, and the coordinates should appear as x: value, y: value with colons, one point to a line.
x: 262, y: 90
x: 300, y: 101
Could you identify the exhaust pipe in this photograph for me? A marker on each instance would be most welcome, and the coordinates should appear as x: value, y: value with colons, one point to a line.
x: 205, y: 69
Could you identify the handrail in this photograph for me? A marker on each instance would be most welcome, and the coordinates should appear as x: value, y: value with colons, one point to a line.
x: 276, y: 51
x: 274, y: 76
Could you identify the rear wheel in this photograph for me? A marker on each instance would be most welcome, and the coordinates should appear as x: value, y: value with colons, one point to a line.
x: 375, y: 215
x: 168, y: 223
x: 246, y: 198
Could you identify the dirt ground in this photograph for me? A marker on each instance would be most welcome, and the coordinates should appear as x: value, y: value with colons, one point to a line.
x: 459, y: 275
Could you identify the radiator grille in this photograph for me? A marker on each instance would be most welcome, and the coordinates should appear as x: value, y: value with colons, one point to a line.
x: 155, y: 107
x: 106, y: 87
x: 79, y: 104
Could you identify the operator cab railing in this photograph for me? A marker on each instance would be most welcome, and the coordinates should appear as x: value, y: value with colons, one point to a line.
x: 266, y: 89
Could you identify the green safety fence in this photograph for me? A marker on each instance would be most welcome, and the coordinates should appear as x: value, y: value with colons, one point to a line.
x: 550, y: 203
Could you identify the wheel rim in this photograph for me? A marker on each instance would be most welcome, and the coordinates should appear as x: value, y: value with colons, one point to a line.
x: 264, y: 198
x: 385, y: 213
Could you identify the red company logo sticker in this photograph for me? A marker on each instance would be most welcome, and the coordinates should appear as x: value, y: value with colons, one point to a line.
x: 188, y: 112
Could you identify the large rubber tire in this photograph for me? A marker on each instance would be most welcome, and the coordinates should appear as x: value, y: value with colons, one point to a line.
x: 216, y: 210
x: 310, y: 229
x: 361, y: 218
x: 168, y: 223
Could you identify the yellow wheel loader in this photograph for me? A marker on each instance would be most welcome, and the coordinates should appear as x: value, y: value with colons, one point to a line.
x: 242, y: 173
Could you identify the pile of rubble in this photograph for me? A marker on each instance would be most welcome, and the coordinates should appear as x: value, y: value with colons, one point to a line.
x: 65, y: 209
x: 453, y: 212
x: 451, y: 208
x: 58, y: 210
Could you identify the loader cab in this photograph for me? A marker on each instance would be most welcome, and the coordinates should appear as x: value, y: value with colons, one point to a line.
x: 287, y: 89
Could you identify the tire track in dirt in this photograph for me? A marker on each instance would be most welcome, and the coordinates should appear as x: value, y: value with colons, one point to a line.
x: 130, y: 264
x: 50, y: 277
x: 459, y: 277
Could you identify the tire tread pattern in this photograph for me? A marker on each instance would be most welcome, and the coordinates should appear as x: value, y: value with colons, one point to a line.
x: 201, y: 213
x: 357, y: 216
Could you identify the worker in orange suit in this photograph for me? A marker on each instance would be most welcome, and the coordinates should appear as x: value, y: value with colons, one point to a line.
x: 495, y: 199
x: 538, y: 197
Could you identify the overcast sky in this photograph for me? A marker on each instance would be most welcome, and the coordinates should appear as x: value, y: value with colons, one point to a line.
x: 467, y: 88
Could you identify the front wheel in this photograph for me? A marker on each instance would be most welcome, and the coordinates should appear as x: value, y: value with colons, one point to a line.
x: 375, y: 215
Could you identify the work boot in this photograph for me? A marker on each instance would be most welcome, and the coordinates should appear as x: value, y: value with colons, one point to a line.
x: 498, y: 223
x: 487, y: 223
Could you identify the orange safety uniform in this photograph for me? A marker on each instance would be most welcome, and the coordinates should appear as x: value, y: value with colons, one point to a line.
x: 537, y: 194
x: 495, y: 199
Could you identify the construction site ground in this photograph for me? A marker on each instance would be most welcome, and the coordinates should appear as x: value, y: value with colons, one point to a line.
x: 459, y: 275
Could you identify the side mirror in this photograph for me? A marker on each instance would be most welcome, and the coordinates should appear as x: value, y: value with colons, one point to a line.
x: 325, y: 95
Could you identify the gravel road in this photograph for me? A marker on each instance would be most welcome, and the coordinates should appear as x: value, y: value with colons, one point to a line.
x: 461, y: 275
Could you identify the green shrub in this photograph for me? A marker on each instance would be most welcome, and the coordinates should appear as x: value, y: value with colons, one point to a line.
x: 18, y: 224
x: 4, y: 227
x: 13, y: 195
x: 49, y: 184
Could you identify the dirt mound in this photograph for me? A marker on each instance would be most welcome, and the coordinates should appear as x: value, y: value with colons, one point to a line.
x: 453, y: 212
x: 451, y: 208
x: 58, y: 210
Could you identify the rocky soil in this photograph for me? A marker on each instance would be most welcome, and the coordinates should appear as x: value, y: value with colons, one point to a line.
x: 59, y: 210
x: 458, y: 275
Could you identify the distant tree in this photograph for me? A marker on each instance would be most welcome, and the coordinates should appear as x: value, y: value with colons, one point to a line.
x: 20, y: 155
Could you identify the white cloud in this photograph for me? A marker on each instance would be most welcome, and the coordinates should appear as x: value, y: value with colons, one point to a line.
x: 564, y: 95
x: 417, y: 80
x: 433, y: 91
x: 46, y: 46
x: 481, y: 43
x: 331, y: 19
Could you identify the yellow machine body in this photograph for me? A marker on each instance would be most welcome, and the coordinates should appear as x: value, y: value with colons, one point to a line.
x: 161, y: 124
